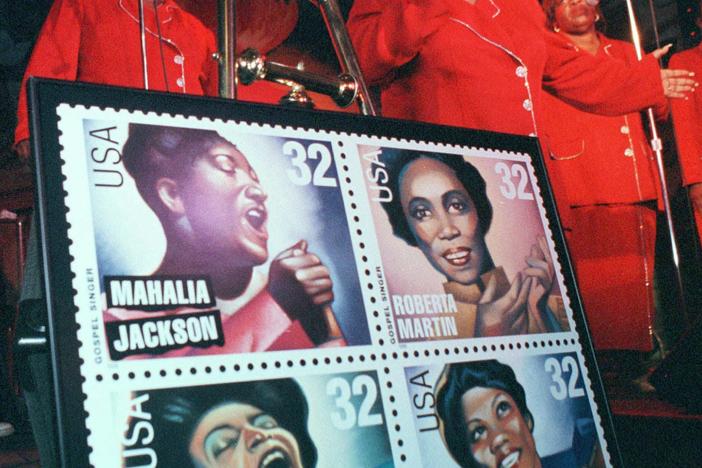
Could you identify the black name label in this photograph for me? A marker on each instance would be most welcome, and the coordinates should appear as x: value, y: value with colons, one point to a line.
x: 156, y: 293
x: 160, y: 334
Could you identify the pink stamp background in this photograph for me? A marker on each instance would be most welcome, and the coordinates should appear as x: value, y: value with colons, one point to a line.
x: 514, y: 229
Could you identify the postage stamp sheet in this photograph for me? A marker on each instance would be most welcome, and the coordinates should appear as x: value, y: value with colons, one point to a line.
x: 285, y: 296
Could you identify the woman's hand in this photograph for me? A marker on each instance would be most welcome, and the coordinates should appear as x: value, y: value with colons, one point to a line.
x: 540, y: 269
x: 661, y: 51
x: 676, y: 83
x: 302, y: 286
x: 506, y: 315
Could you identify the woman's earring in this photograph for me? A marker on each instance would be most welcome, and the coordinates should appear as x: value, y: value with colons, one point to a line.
x: 597, y: 17
x: 556, y: 28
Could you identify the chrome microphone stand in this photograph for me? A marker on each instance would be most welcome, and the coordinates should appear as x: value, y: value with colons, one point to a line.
x: 228, y: 80
x: 657, y: 146
x: 252, y: 66
x: 347, y: 87
x: 142, y: 27
x: 345, y: 51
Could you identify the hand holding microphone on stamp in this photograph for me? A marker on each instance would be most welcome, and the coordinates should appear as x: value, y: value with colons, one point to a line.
x: 302, y: 285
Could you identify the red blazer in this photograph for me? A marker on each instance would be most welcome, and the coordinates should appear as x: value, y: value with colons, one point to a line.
x: 594, y: 159
x: 261, y: 24
x: 687, y: 119
x: 99, y: 41
x: 483, y: 66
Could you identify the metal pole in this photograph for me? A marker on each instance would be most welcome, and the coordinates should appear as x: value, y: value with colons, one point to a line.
x: 142, y: 27
x: 20, y: 250
x: 227, y: 49
x: 657, y: 146
x: 344, y: 51
x: 654, y: 22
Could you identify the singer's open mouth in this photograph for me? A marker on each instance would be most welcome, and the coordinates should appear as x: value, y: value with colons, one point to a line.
x: 256, y: 217
x: 275, y: 458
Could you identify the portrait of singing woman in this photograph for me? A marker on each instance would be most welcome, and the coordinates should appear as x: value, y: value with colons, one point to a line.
x: 213, y: 211
x: 247, y: 424
x: 485, y: 422
x: 440, y: 206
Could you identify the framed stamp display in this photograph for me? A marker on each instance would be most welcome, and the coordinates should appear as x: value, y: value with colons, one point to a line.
x: 232, y: 284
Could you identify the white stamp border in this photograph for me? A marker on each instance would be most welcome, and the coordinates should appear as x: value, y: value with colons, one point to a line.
x: 478, y: 152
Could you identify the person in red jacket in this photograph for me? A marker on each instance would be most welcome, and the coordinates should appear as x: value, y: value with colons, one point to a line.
x: 482, y: 64
x: 99, y: 41
x: 687, y: 120
x: 605, y: 182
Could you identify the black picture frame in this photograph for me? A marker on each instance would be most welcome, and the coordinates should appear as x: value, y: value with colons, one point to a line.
x: 44, y: 98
